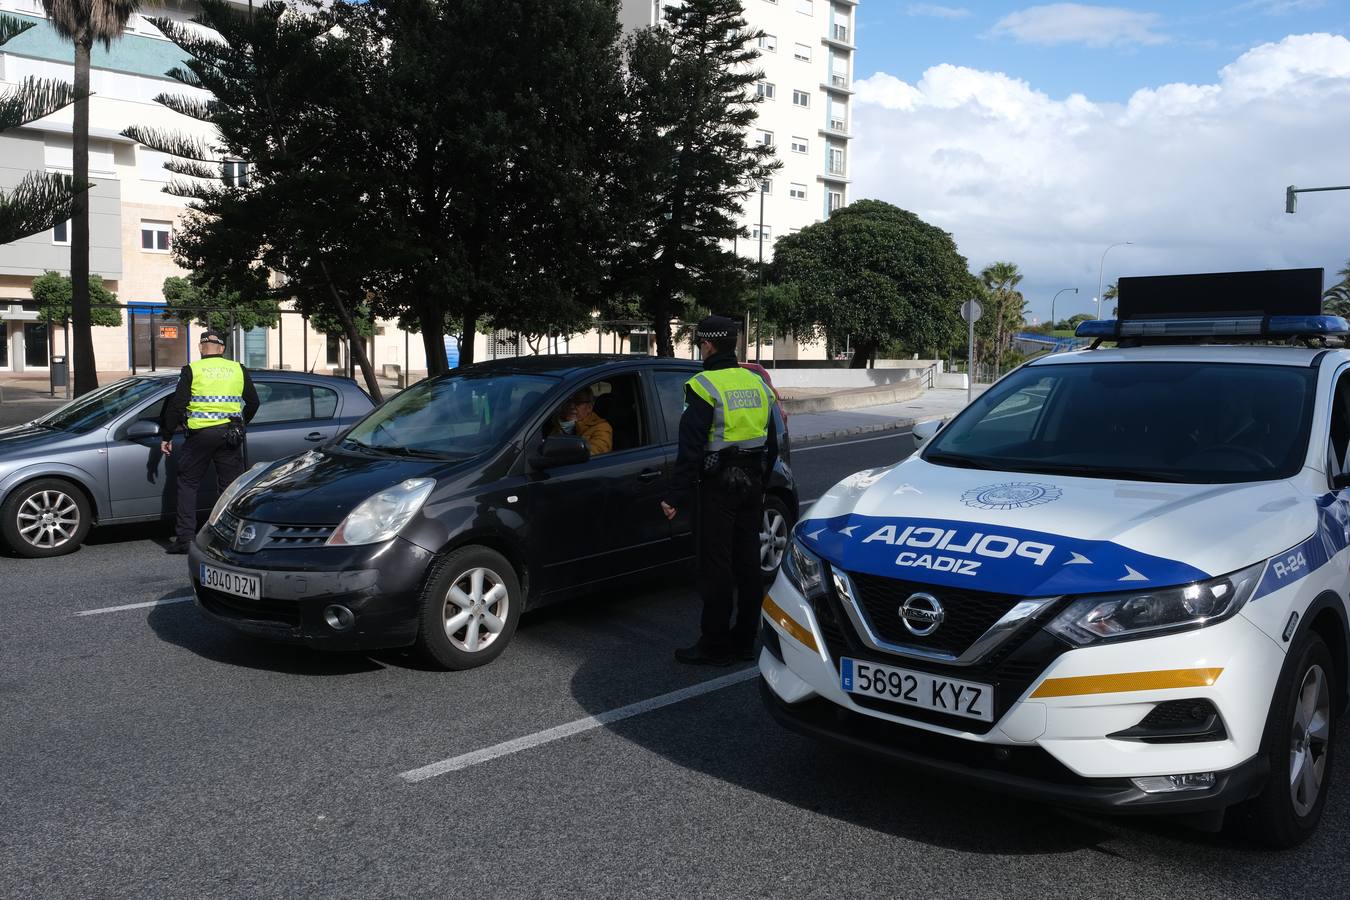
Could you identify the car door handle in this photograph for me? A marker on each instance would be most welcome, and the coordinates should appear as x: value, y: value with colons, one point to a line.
x: 314, y: 436
x: 649, y: 474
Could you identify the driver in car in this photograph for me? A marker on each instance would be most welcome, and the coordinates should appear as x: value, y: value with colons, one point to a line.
x: 577, y: 416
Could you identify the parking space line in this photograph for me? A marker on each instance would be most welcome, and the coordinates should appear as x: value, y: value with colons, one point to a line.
x: 487, y: 754
x: 108, y: 609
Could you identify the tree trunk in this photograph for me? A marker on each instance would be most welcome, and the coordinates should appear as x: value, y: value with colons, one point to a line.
x: 356, y: 348
x: 86, y: 373
x: 432, y: 321
x: 466, y: 341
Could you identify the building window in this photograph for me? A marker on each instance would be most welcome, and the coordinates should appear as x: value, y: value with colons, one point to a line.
x: 155, y: 236
x: 640, y: 342
x: 801, y: 98
x: 805, y: 7
x: 802, y: 52
x: 765, y: 89
x: 839, y: 33
x: 764, y: 138
x: 797, y: 191
x: 800, y: 145
x: 234, y: 173
x: 61, y: 232
x: 835, y: 200
x: 768, y: 43
x: 836, y: 161
x: 766, y: 230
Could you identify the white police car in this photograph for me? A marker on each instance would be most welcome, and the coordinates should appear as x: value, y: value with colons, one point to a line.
x: 1116, y: 581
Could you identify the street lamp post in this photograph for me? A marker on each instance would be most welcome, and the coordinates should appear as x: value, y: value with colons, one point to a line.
x: 1102, y: 268
x: 759, y: 297
x: 1053, y: 320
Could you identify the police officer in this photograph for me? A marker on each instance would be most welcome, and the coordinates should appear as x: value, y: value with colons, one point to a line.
x: 215, y: 398
x: 728, y: 445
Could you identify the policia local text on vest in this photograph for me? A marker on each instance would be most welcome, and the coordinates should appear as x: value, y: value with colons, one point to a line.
x: 728, y: 446
x: 215, y: 397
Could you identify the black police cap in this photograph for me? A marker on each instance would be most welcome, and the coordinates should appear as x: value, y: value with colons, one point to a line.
x: 716, y: 328
x: 212, y: 336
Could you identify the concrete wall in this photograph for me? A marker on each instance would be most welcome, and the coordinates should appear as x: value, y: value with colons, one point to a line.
x: 840, y: 378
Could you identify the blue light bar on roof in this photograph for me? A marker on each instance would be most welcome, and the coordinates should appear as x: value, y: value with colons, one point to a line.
x: 1216, y: 326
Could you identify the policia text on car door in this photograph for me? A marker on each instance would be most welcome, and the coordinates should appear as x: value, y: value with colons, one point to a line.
x: 728, y: 444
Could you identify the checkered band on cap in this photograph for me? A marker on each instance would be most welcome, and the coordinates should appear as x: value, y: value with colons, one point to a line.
x: 716, y: 327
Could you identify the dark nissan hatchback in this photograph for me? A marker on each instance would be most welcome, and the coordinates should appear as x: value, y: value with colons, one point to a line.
x: 445, y: 513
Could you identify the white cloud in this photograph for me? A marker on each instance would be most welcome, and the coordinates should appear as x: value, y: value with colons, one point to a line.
x: 1075, y: 23
x: 1280, y: 7
x: 933, y: 10
x: 1194, y: 174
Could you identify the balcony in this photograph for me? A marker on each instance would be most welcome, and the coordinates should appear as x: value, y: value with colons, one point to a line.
x: 838, y: 125
x: 839, y: 33
x: 838, y: 80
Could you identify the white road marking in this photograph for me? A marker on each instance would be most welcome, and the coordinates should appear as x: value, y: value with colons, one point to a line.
x: 487, y: 754
x: 796, y: 450
x: 108, y: 609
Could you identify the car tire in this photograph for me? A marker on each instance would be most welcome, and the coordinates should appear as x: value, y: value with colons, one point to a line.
x: 1299, y: 746
x: 775, y: 527
x: 47, y: 517
x: 470, y: 607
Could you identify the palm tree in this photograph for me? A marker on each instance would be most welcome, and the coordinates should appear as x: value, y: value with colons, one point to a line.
x: 1336, y: 300
x: 40, y: 199
x: 1001, y: 280
x: 83, y: 22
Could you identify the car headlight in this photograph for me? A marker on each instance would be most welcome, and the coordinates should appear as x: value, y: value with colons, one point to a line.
x: 804, y: 569
x: 380, y: 517
x: 1149, y: 613
x: 234, y: 490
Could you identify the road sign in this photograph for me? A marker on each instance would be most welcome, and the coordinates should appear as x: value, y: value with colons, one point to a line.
x: 970, y: 311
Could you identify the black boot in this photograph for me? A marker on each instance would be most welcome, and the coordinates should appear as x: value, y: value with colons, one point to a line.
x: 699, y: 655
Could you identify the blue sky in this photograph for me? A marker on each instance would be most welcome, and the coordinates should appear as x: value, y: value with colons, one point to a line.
x: 1043, y: 133
x: 1143, y: 45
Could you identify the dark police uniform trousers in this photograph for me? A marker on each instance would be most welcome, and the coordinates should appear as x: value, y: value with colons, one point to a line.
x: 730, y: 509
x: 201, y: 447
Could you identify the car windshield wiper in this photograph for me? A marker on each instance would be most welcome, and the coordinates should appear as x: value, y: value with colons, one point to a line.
x: 954, y: 459
x: 413, y: 452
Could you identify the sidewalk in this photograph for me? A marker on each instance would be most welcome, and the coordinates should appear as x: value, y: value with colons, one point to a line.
x: 938, y: 403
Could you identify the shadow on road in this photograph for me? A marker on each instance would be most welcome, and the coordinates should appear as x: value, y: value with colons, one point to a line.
x: 183, y: 625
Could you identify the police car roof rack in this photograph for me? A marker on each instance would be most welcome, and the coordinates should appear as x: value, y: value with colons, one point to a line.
x: 1266, y: 306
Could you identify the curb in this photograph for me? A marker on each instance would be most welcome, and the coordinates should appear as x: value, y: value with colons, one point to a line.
x: 892, y: 425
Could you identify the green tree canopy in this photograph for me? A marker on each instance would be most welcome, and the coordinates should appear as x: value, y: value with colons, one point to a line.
x: 188, y: 299
x: 1336, y: 300
x: 689, y: 167
x: 876, y: 272
x: 53, y: 293
x: 1004, y: 311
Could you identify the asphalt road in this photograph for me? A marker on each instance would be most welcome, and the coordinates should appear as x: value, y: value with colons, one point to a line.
x: 147, y: 752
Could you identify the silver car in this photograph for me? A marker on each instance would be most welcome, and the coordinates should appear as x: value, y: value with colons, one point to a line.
x: 96, y: 460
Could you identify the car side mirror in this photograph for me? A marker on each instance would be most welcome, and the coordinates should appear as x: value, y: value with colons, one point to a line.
x: 560, y: 450
x: 1341, y: 482
x: 143, y: 429
x: 924, y: 431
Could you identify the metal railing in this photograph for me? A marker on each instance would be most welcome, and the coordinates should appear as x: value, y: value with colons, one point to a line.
x: 838, y: 125
x: 839, y: 81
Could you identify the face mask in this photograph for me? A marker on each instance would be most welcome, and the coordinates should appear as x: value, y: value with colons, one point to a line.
x: 569, y: 426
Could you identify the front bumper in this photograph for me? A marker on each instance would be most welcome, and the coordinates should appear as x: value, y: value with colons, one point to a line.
x: 380, y: 585
x: 1055, y: 747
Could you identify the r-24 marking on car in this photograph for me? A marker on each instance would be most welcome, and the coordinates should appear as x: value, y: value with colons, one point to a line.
x: 1290, y: 565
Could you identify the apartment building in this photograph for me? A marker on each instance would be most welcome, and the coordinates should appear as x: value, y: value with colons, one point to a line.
x: 806, y: 54
x: 132, y: 220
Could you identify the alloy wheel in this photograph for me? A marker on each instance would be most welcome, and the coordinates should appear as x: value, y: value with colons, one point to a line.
x: 475, y: 609
x: 772, y: 539
x: 1309, y: 738
x: 48, y: 519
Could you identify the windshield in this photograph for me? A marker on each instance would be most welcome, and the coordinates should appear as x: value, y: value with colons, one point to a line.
x: 1199, y: 423
x: 453, y: 417
x: 96, y: 409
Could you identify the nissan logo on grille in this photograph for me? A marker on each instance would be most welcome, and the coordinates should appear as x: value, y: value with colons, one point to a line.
x: 247, y: 535
x: 922, y: 614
